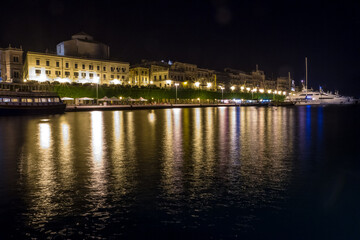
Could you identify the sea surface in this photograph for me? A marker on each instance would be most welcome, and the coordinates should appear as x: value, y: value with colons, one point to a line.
x: 200, y: 173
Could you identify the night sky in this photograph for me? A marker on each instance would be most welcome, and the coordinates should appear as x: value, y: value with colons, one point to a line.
x: 212, y: 34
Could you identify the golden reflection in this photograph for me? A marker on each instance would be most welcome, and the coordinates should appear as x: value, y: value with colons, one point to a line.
x: 173, y: 153
x: 98, y: 175
x: 116, y: 121
x: 66, y: 156
x: 97, y: 135
x: 151, y: 116
x: 45, y: 135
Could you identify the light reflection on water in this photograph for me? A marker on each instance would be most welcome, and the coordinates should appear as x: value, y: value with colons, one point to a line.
x: 101, y: 174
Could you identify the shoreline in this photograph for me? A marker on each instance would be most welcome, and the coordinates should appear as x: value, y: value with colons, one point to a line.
x: 83, y: 108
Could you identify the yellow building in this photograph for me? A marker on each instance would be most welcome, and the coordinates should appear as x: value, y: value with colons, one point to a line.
x: 51, y: 67
x: 139, y: 76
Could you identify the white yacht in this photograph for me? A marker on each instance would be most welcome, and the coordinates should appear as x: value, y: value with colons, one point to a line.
x: 310, y: 97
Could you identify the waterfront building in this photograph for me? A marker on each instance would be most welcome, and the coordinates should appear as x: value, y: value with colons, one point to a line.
x: 81, y: 60
x: 83, y: 45
x: 283, y: 84
x: 206, y: 79
x: 11, y: 64
x: 43, y: 67
x: 139, y: 76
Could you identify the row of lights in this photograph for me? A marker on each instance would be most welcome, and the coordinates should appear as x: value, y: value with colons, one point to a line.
x: 242, y: 88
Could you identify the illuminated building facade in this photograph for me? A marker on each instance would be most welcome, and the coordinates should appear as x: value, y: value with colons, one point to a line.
x: 11, y: 64
x: 139, y: 76
x: 43, y: 67
x: 283, y: 84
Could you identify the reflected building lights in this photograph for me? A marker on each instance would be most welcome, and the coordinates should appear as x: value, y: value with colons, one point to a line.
x: 45, y: 135
x: 97, y: 135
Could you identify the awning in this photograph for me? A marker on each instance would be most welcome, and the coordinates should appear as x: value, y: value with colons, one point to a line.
x: 85, y: 99
x: 66, y: 98
x: 105, y: 99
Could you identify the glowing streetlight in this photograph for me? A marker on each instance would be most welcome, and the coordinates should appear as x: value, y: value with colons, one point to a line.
x: 248, y: 89
x: 197, y: 84
x: 232, y: 88
x: 269, y: 91
x: 242, y: 88
x: 261, y: 90
x: 176, y: 85
x: 222, y: 93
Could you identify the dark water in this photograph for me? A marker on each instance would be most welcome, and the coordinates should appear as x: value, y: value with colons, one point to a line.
x: 218, y: 173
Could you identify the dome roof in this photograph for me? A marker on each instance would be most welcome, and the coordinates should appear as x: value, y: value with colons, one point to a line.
x: 82, y: 36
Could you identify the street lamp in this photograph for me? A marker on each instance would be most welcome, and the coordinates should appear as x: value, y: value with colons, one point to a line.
x: 222, y: 94
x: 176, y: 85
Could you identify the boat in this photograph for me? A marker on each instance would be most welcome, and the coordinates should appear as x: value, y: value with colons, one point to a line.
x: 311, y: 97
x: 29, y: 103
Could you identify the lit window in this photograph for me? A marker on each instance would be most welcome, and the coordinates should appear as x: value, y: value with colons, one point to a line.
x: 91, y: 75
x: 76, y: 74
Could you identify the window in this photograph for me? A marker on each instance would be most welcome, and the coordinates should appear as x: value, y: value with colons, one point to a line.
x: 48, y: 72
x: 91, y: 67
x: 112, y: 76
x: 37, y: 62
x: 16, y: 59
x: 154, y: 78
x: 83, y: 66
x: 91, y: 75
x: 165, y: 76
x: 57, y: 73
x: 98, y: 68
x: 123, y: 69
x: 118, y: 77
x: 104, y: 76
x: 104, y: 68
x: 76, y: 74
x: 83, y: 75
x: 38, y: 71
x: 122, y: 77
x: 57, y: 64
x: 112, y: 69
x: 14, y: 100
x: 16, y: 74
x: 29, y: 100
x: 67, y: 74
x: 67, y: 65
x: 118, y: 69
x: 43, y: 99
x: 76, y: 65
x: 160, y: 78
x: 47, y: 63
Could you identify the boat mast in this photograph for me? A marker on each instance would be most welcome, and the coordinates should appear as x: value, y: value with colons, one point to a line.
x: 306, y: 75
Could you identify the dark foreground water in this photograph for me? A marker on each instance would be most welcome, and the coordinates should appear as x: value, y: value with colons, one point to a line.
x: 218, y: 173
